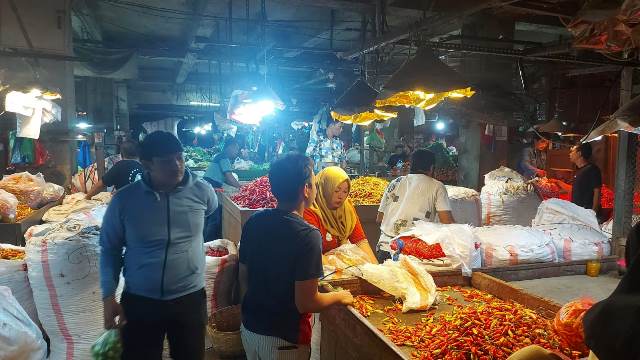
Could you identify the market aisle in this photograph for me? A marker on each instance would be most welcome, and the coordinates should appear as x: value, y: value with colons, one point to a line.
x: 566, y: 288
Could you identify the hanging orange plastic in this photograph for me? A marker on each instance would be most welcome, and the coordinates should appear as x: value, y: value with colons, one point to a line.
x: 568, y: 322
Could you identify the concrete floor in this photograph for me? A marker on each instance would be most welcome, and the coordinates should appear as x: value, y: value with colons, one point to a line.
x: 566, y: 288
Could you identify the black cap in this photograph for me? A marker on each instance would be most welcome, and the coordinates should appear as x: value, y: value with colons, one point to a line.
x: 159, y: 144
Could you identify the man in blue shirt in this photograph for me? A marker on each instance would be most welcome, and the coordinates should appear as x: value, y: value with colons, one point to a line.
x: 220, y: 169
x: 158, y: 221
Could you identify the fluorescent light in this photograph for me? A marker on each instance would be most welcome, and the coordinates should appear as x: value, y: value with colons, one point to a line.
x: 208, y: 126
x: 597, y: 139
x: 83, y: 125
x: 252, y: 113
x: 199, y: 103
x: 440, y: 126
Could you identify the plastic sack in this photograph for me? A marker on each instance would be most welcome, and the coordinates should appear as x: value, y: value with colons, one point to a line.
x: 104, y: 197
x: 345, y: 256
x: 20, y: 338
x: 220, y: 273
x: 577, y: 241
x: 557, y: 212
x: 513, y: 245
x: 8, y: 206
x: 25, y: 186
x: 13, y: 274
x: 466, y: 206
x: 404, y: 279
x: 503, y: 174
x: 61, y: 212
x: 568, y: 323
x: 508, y: 203
x: 62, y: 263
x: 458, y: 241
x: 90, y: 217
x: 108, y: 346
x: 73, y: 198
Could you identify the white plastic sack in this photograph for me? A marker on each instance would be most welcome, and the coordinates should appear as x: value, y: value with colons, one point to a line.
x: 104, y: 197
x: 508, y: 204
x: 457, y: 241
x: 220, y: 275
x: 404, y: 279
x: 503, y: 174
x: 577, y: 241
x: 20, y: 338
x: 31, y: 189
x: 513, y: 245
x: 8, y: 206
x: 62, y: 261
x: 13, y: 274
x: 345, y: 256
x: 556, y: 212
x: 465, y: 205
x: 61, y: 212
x: 90, y: 217
x: 73, y: 198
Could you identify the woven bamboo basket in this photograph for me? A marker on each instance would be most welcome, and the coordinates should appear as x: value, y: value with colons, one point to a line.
x: 224, y: 330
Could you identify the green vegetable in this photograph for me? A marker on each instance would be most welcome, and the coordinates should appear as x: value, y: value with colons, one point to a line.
x: 108, y: 346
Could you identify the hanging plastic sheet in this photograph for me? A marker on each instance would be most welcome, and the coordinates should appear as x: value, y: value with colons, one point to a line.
x: 84, y: 154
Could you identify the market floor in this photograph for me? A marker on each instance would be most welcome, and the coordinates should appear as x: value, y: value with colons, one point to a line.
x: 566, y: 288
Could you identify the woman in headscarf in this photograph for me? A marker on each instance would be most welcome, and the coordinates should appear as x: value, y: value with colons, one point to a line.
x: 334, y: 215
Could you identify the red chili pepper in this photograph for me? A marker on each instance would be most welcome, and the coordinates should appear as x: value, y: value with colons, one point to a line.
x: 256, y: 195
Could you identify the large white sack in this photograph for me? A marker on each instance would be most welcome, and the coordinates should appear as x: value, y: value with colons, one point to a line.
x: 220, y: 275
x: 13, y: 274
x: 465, y: 205
x: 513, y: 245
x: 557, y: 211
x: 508, y: 204
x: 503, y: 174
x: 20, y: 338
x: 62, y: 261
x: 90, y: 217
x: 61, y: 212
x: 577, y: 241
x: 457, y: 241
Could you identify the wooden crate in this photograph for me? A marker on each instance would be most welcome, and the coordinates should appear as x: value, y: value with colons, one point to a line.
x: 14, y: 233
x: 233, y: 218
x: 367, y: 215
x: 347, y: 335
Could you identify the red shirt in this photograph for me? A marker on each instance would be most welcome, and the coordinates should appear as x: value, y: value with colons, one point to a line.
x: 356, y: 236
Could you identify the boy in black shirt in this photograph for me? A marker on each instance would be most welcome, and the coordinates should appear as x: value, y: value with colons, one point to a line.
x: 280, y: 264
x: 587, y: 180
x: 123, y: 173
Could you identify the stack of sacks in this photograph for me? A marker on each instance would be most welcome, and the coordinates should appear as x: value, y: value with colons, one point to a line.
x: 507, y: 199
x: 575, y: 230
x: 465, y: 205
x: 77, y: 207
x: 512, y: 245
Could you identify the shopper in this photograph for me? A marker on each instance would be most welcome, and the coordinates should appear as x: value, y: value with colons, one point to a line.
x: 280, y: 264
x: 326, y: 149
x: 399, y: 157
x: 334, y: 215
x: 124, y: 172
x: 220, y: 169
x: 416, y: 196
x: 158, y: 221
x: 587, y: 181
x: 534, y: 159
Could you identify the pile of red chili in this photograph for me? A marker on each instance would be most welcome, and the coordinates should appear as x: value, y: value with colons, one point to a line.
x: 483, y: 328
x: 256, y: 195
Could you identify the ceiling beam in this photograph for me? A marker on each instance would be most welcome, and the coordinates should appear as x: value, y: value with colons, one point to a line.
x: 434, y: 25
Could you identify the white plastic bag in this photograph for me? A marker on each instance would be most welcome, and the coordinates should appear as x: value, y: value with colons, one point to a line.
x: 73, y: 198
x: 465, y: 205
x: 61, y: 212
x: 557, y: 212
x: 577, y: 241
x: 220, y: 275
x: 457, y: 241
x: 8, y: 206
x: 13, y: 274
x: 20, y: 338
x: 345, y: 256
x: 513, y: 245
x: 503, y: 174
x: 508, y: 203
x: 404, y: 279
x: 62, y: 261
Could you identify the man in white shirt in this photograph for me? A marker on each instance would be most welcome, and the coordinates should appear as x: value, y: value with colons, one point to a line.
x: 410, y: 198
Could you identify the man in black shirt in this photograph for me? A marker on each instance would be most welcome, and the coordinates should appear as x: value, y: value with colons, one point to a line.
x: 587, y: 181
x: 123, y: 173
x: 401, y: 154
x: 280, y: 264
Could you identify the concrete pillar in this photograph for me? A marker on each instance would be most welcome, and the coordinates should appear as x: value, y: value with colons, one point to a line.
x: 470, y: 133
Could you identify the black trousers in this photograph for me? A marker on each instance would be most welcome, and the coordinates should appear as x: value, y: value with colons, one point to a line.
x: 182, y: 320
x: 213, y: 223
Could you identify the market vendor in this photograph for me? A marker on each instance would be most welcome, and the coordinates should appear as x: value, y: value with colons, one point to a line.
x: 123, y: 173
x: 326, y: 149
x: 334, y: 215
x: 220, y: 169
x: 587, y: 181
x: 534, y: 159
x: 416, y: 196
x: 400, y: 155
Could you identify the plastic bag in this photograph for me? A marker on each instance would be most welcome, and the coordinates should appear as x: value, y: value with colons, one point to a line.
x: 73, y: 198
x: 61, y: 212
x: 8, y: 206
x: 503, y: 174
x: 560, y: 212
x: 108, y: 346
x: 345, y: 256
x: 20, y: 338
x: 404, y: 279
x: 568, y: 323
